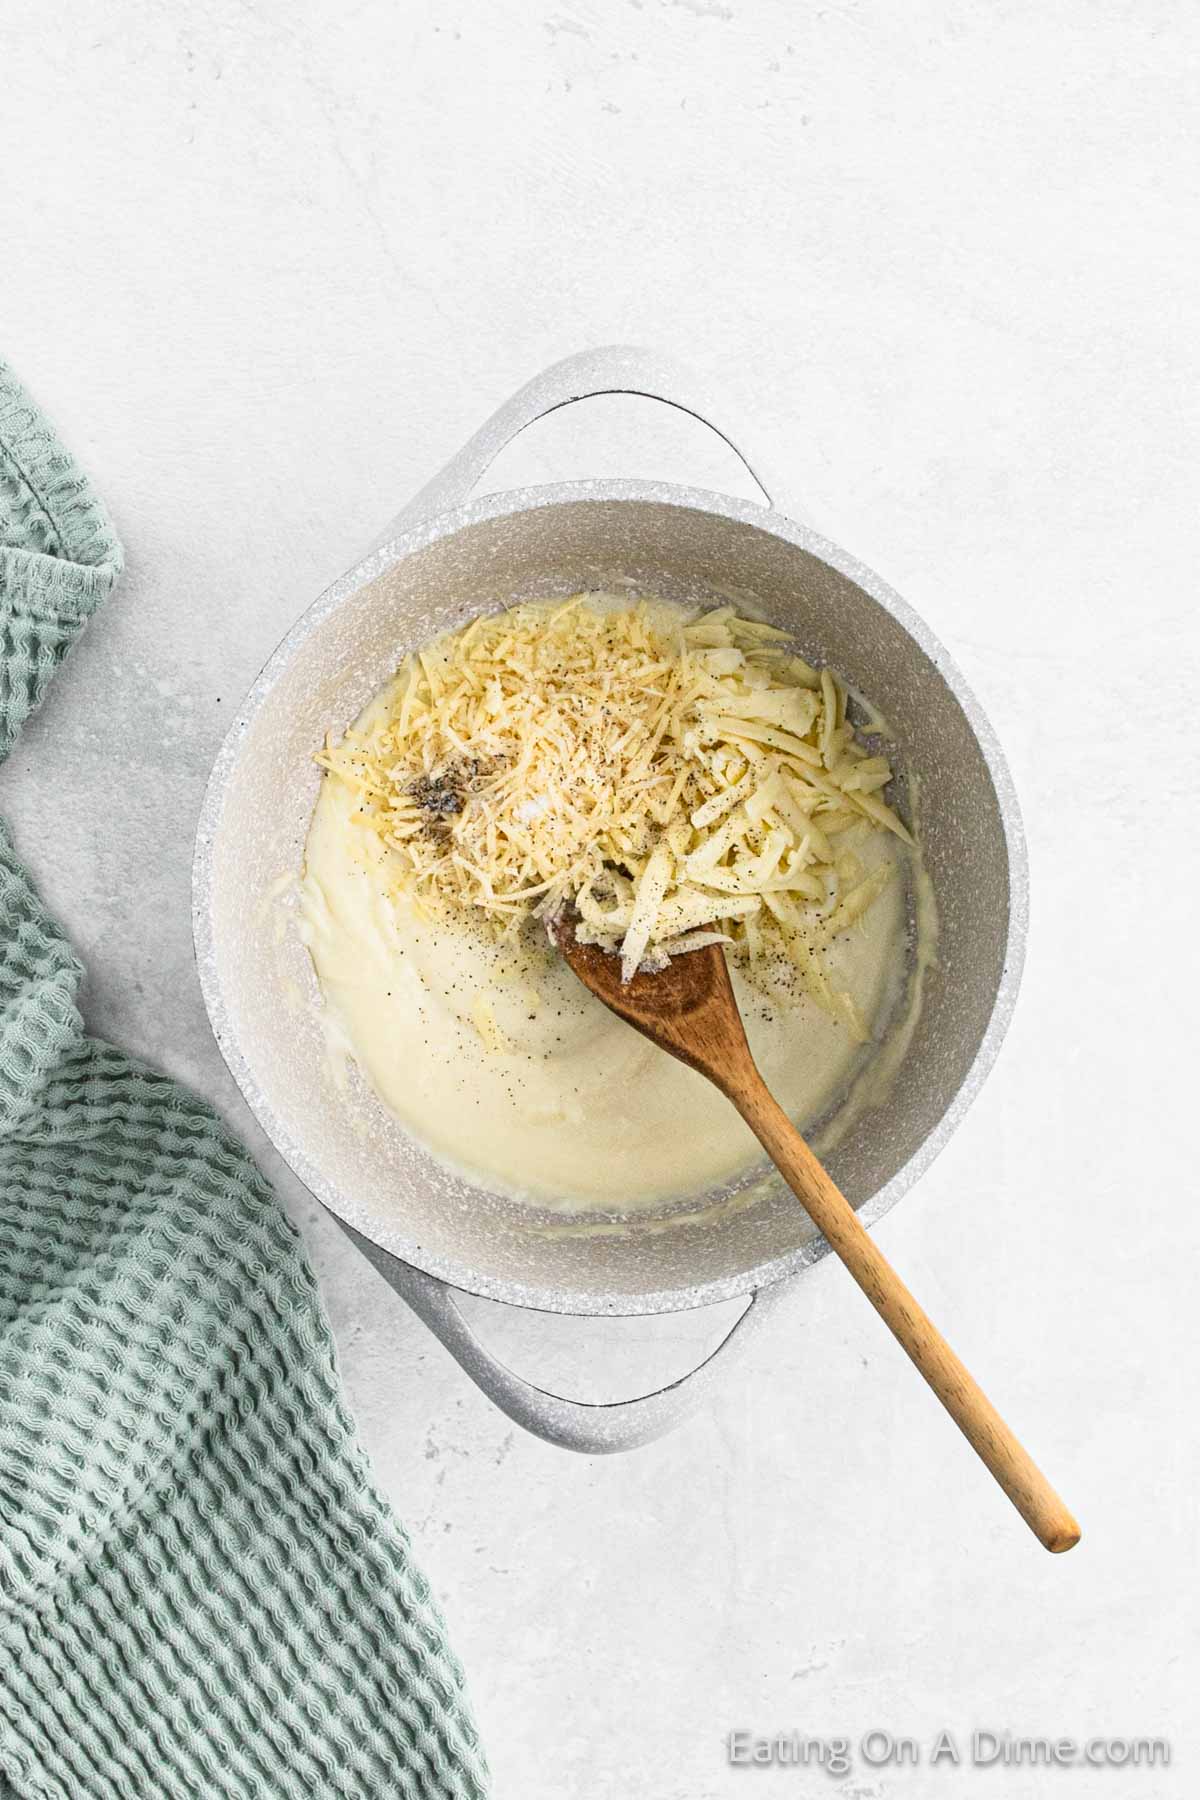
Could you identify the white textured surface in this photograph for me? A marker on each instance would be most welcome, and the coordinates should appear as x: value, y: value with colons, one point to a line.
x: 266, y: 267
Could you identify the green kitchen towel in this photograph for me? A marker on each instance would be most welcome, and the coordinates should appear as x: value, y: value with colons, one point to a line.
x: 201, y: 1591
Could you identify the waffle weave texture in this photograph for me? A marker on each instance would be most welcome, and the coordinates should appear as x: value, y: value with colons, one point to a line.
x: 201, y: 1591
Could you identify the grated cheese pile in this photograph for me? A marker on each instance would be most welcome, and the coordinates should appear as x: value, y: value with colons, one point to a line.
x: 680, y: 777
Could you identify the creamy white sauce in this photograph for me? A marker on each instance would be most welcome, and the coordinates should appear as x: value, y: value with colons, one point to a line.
x: 506, y: 1068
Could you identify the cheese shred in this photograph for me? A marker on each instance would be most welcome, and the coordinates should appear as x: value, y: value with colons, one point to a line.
x: 679, y: 777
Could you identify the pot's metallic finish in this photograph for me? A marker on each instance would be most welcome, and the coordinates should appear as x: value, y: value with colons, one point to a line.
x: 423, y: 1225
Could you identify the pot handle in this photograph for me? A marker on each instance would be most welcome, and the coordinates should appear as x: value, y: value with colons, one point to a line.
x: 593, y: 1428
x: 612, y: 369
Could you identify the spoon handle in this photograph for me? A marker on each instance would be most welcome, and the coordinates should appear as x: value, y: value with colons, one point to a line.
x: 967, y: 1404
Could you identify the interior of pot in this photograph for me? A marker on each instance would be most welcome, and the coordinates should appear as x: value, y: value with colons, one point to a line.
x: 353, y: 1154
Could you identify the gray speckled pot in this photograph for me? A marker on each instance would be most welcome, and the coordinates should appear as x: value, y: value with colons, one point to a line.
x: 446, y: 558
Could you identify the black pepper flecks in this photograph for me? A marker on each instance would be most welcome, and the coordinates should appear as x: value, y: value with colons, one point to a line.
x: 437, y: 795
x: 443, y: 794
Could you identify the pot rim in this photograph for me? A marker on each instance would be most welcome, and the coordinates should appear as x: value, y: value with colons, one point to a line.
x: 505, y: 504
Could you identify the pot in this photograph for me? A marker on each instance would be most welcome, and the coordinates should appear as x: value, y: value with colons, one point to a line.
x: 446, y: 558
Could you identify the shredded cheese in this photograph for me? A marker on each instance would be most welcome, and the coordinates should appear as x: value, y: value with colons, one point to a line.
x: 680, y: 777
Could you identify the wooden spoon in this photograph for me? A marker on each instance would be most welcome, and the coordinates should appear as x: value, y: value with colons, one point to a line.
x: 689, y: 1009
